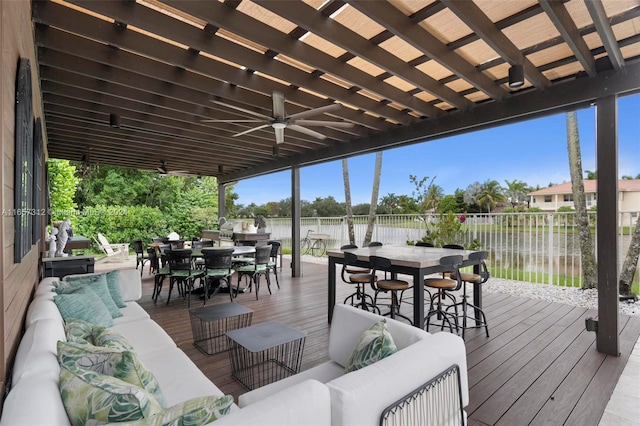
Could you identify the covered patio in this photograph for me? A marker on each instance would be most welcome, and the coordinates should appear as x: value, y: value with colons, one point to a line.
x: 539, y: 366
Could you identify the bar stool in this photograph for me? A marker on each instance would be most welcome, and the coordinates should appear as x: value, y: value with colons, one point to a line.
x: 444, y: 287
x: 479, y: 258
x: 360, y: 279
x: 392, y: 286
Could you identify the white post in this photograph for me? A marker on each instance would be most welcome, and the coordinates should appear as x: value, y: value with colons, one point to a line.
x: 550, y: 251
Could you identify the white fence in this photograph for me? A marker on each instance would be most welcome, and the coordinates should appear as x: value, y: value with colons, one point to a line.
x: 538, y: 247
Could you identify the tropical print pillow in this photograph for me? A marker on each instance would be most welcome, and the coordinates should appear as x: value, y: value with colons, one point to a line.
x: 78, y: 330
x: 194, y: 412
x: 89, y: 397
x: 121, y: 364
x: 374, y: 344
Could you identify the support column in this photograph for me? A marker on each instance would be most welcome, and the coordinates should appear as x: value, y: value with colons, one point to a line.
x: 296, y: 265
x: 222, y: 200
x: 607, y: 335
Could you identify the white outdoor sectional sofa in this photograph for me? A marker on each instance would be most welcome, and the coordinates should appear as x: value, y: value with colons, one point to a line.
x: 322, y: 395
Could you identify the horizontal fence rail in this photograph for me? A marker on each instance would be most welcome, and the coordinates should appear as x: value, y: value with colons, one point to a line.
x: 538, y: 247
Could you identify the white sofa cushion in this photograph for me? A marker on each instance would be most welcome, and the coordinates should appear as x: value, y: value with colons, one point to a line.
x: 360, y: 397
x: 323, y: 373
x: 35, y: 401
x: 179, y: 378
x: 36, y: 353
x: 145, y: 335
x: 132, y: 312
x: 42, y: 308
x: 348, y: 323
x: 306, y: 403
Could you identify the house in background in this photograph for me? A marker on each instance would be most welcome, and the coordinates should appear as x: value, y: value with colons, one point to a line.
x: 554, y: 197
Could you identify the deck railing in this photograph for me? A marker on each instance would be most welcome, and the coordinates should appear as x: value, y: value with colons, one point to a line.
x: 538, y: 247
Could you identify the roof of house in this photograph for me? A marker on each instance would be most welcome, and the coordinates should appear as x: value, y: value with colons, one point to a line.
x: 589, y: 186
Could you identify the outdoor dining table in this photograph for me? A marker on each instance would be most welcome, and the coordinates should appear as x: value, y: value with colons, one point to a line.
x: 410, y: 260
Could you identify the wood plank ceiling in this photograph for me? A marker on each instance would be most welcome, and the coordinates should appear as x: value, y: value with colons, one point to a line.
x: 403, y: 71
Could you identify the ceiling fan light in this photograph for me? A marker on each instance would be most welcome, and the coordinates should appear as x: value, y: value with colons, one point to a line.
x: 279, y: 125
x: 114, y: 120
x: 516, y: 76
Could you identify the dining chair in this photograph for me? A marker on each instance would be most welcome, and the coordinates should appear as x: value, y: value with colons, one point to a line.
x: 198, y: 262
x: 141, y: 257
x: 393, y: 286
x: 444, y: 287
x: 423, y: 244
x: 259, y: 267
x: 478, y: 258
x: 159, y: 272
x: 356, y: 275
x: 240, y: 261
x: 181, y: 271
x: 273, y: 259
x: 374, y: 244
x: 218, y: 269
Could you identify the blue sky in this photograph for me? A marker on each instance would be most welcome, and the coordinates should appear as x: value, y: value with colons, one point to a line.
x: 533, y: 151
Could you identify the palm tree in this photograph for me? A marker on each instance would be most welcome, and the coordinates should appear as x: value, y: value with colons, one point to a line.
x: 374, y: 198
x: 516, y: 192
x: 587, y: 253
x: 347, y: 201
x: 490, y: 194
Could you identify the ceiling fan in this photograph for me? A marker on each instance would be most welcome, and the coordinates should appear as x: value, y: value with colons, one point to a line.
x: 164, y: 171
x: 280, y: 120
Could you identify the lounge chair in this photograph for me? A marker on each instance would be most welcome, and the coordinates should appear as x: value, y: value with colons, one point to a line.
x: 110, y: 250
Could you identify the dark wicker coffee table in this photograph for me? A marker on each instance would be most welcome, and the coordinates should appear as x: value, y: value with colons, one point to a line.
x: 265, y: 353
x: 210, y: 324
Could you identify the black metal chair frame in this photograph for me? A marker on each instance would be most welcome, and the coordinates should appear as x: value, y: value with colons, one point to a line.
x: 217, y: 260
x: 181, y: 271
x: 141, y: 257
x: 359, y: 298
x: 383, y: 264
x: 479, y: 258
x: 453, y: 264
x: 258, y: 268
x: 273, y: 259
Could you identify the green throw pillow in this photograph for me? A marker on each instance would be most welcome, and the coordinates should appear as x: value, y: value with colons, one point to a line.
x: 103, y: 336
x: 121, y: 364
x: 97, y: 283
x: 83, y: 303
x: 77, y: 330
x: 113, y: 282
x: 90, y: 396
x: 194, y: 412
x: 374, y: 344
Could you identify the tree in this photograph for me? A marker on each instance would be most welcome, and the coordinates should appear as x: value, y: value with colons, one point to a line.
x: 630, y: 263
x: 472, y: 197
x: 347, y: 200
x: 516, y: 192
x: 490, y: 194
x: 448, y: 204
x: 62, y: 188
x: 590, y: 175
x: 426, y: 196
x: 374, y: 198
x: 389, y: 202
x: 587, y: 253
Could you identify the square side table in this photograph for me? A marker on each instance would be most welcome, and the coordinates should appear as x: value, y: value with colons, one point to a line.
x: 265, y: 353
x: 210, y: 324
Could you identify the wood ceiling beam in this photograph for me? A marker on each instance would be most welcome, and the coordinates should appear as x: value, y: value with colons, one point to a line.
x: 156, y: 22
x: 143, y: 103
x: 309, y: 18
x: 603, y: 26
x: 220, y: 15
x: 115, y: 138
x: 403, y: 27
x: 524, y: 105
x: 221, y: 75
x: 479, y: 23
x: 559, y: 16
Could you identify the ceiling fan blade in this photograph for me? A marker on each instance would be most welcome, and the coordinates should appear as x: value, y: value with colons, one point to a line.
x: 343, y: 124
x: 278, y: 105
x: 246, y: 111
x: 306, y: 131
x: 212, y: 120
x: 252, y: 130
x: 315, y: 111
x: 279, y: 135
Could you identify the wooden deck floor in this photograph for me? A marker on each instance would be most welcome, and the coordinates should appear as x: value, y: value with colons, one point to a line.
x: 539, y: 366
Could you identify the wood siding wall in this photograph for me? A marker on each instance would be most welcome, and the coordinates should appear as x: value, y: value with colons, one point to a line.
x: 17, y: 281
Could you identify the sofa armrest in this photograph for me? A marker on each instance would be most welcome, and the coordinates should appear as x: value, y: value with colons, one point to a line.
x: 348, y: 324
x: 307, y: 403
x: 360, y: 397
